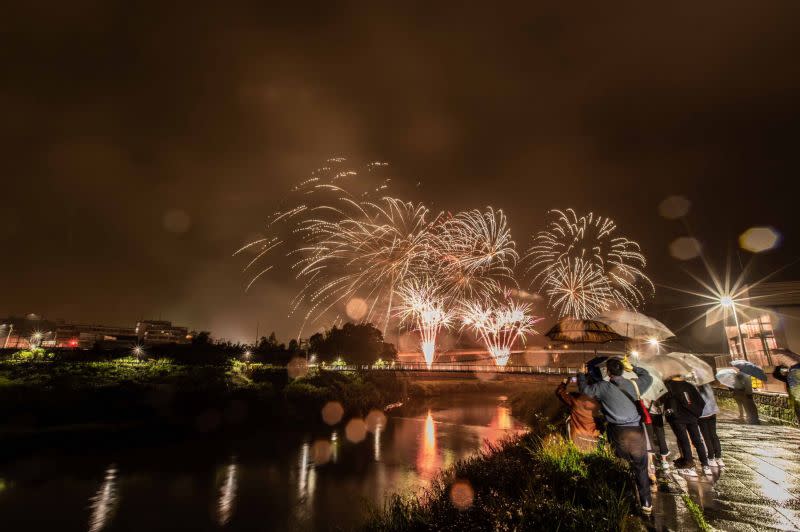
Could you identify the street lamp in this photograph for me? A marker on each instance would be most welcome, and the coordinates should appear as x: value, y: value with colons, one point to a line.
x: 728, y: 302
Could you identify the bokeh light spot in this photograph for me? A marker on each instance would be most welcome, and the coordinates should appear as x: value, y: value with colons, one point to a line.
x: 759, y: 239
x: 674, y: 207
x: 321, y: 452
x: 355, y: 430
x: 461, y: 494
x: 176, y: 221
x: 332, y: 412
x: 375, y: 419
x: 685, y: 248
x: 356, y: 309
x: 297, y: 367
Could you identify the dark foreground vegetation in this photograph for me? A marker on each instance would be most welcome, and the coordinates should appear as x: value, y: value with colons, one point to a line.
x: 39, y: 392
x: 532, y: 483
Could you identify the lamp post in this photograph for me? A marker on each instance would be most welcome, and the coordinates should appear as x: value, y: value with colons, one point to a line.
x: 728, y: 302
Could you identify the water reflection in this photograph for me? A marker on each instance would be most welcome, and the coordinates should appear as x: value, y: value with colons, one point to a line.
x: 227, y: 494
x: 104, y: 502
x: 376, y: 443
x: 502, y: 419
x: 428, y: 460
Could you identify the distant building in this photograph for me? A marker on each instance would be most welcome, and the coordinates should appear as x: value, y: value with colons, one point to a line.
x: 769, y: 319
x: 89, y: 336
x: 158, y: 332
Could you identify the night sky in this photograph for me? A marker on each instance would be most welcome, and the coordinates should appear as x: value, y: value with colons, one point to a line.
x: 142, y: 146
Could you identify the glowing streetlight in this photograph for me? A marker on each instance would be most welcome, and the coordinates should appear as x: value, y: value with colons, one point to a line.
x: 727, y: 301
x: 138, y: 352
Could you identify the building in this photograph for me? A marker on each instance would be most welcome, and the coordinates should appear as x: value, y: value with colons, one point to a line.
x: 769, y: 322
x: 89, y: 336
x: 158, y: 332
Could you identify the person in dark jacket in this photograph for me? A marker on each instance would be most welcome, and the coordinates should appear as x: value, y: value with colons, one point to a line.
x: 790, y: 377
x: 684, y: 408
x: 618, y: 399
x: 582, y: 413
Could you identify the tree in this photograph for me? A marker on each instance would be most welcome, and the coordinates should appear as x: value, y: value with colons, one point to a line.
x: 355, y: 343
x: 201, y: 338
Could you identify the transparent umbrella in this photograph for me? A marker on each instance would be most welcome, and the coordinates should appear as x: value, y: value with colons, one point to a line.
x: 635, y: 325
x: 727, y: 377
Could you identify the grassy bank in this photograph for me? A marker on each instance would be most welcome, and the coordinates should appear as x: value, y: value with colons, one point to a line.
x: 42, y: 393
x: 526, y: 484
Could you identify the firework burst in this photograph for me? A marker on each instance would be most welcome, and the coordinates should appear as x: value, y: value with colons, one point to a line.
x: 584, y: 268
x: 424, y: 307
x: 499, y: 325
x: 477, y: 254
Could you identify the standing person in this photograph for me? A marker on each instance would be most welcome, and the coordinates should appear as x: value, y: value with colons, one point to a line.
x: 790, y: 377
x: 583, y: 410
x: 684, y: 407
x: 743, y: 393
x: 618, y: 399
x: 708, y: 426
x: 656, y: 432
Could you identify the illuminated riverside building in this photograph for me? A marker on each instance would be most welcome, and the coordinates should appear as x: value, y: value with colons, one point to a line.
x: 769, y: 321
x: 158, y: 332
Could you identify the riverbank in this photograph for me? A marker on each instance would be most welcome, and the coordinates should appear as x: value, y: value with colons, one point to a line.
x: 529, y: 483
x: 45, y: 396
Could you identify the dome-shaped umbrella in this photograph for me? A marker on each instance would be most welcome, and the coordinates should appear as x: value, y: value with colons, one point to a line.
x: 635, y: 325
x: 748, y: 368
x: 577, y: 331
x: 677, y: 364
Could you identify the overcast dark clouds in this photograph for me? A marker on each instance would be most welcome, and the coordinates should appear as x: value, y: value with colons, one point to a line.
x: 116, y: 115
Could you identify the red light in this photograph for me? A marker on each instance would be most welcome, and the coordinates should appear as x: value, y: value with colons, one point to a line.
x: 73, y: 343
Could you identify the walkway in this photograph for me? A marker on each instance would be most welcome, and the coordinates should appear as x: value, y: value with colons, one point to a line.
x: 759, y: 489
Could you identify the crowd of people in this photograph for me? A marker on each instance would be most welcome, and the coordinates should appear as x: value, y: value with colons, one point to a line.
x: 611, y: 403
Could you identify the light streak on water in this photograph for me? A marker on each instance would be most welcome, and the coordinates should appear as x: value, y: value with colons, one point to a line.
x: 104, y: 502
x: 227, y: 494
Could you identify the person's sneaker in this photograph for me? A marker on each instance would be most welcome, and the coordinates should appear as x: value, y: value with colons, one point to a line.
x: 707, y: 471
x: 687, y: 472
x: 720, y: 463
x: 712, y: 462
x: 647, y: 510
x: 665, y: 465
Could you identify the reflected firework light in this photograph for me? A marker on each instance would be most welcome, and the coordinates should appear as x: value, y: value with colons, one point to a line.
x: 332, y: 412
x: 498, y: 324
x: 759, y: 239
x: 356, y: 430
x: 462, y: 494
x: 685, y: 248
x: 584, y: 248
x: 674, y: 207
x: 422, y: 305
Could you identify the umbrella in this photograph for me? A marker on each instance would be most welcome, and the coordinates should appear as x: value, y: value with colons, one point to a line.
x: 700, y: 371
x: 634, y: 325
x: 658, y: 388
x: 748, y: 368
x: 576, y: 331
x: 727, y: 377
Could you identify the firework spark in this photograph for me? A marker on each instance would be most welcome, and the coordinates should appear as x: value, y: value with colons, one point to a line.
x: 346, y: 245
x: 584, y: 269
x: 499, y: 325
x: 425, y: 309
x: 476, y: 254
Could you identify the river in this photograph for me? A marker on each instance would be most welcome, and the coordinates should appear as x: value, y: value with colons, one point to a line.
x: 282, y: 480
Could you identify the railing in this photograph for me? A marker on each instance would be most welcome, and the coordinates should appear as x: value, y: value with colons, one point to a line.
x: 456, y: 368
